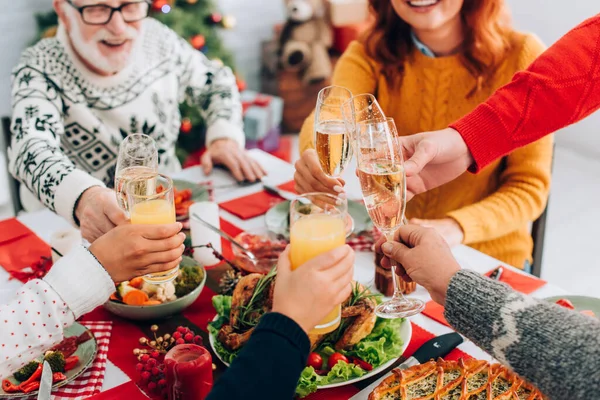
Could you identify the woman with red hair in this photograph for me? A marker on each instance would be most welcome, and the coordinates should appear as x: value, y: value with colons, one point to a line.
x: 429, y: 62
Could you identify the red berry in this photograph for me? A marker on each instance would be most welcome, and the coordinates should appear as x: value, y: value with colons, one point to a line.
x: 162, y: 383
x: 139, y: 367
x: 180, y: 341
x: 145, y: 375
x: 148, y: 367
x: 155, y: 371
x: 152, y: 362
x: 145, y: 358
x: 197, y: 339
x: 188, y: 337
x: 177, y: 335
x: 155, y: 354
x: 182, y: 329
x: 152, y: 385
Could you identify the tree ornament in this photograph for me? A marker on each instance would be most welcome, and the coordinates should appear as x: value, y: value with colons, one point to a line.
x: 215, y: 18
x: 157, y: 5
x: 229, y: 22
x: 198, y: 41
x: 186, y: 126
x: 218, y: 62
x: 191, y: 1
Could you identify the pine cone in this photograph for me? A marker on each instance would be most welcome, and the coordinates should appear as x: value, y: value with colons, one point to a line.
x: 229, y: 281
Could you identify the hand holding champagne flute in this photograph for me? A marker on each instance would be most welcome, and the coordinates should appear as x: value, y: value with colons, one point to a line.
x: 151, y: 202
x: 383, y: 183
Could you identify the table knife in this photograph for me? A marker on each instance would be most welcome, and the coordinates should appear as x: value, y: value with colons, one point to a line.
x: 434, y: 348
x: 45, y: 383
x: 281, y: 193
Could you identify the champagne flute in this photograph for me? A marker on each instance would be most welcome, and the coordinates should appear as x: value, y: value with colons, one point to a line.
x: 151, y: 202
x: 332, y: 140
x: 383, y: 183
x: 138, y: 158
x: 317, y: 225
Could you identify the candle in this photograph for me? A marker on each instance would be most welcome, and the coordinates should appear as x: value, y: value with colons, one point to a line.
x: 201, y: 235
x: 188, y: 372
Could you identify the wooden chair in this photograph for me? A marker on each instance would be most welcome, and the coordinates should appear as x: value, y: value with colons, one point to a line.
x: 13, y: 184
x: 538, y: 234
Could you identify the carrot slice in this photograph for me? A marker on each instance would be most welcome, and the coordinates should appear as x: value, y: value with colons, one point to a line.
x: 137, y: 282
x: 135, y: 298
x: 114, y: 297
x: 152, y: 303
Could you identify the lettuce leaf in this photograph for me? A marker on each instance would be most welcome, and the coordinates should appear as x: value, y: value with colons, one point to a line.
x: 341, y: 372
x: 381, y: 345
x: 222, y: 305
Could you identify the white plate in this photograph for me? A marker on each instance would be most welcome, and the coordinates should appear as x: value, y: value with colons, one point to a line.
x: 405, y: 335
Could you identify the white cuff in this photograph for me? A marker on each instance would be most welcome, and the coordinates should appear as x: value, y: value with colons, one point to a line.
x: 70, y: 190
x: 80, y: 281
x: 224, y: 129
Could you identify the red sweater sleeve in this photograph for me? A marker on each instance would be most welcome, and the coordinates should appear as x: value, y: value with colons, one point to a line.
x: 561, y: 87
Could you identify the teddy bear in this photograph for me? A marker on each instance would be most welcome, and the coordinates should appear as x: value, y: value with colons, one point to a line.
x: 305, y: 40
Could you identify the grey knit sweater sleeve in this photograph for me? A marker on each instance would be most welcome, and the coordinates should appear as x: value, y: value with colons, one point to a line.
x: 556, y: 349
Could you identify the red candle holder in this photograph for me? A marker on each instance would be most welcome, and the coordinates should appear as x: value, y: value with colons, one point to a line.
x: 188, y: 372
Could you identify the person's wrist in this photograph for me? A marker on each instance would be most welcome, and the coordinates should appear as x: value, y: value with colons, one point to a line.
x: 439, y: 287
x: 457, y: 230
x: 82, y: 200
x: 460, y: 146
x: 221, y: 142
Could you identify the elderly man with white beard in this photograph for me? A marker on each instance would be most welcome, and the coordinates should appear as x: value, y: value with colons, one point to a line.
x: 108, y: 73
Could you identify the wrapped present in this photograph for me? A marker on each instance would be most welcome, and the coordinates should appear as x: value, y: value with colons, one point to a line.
x: 342, y: 36
x: 262, y: 114
x: 269, y: 143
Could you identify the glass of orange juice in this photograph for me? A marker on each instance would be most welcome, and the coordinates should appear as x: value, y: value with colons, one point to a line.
x: 151, y: 202
x: 317, y: 225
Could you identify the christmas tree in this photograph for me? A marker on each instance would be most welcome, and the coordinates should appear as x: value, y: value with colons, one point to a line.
x: 199, y: 22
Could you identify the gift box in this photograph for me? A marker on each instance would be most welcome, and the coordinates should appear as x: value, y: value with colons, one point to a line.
x: 269, y: 143
x: 262, y: 114
x: 344, y: 35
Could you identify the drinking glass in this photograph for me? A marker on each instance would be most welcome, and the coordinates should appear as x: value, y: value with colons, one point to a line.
x: 138, y: 158
x: 383, y: 183
x: 317, y: 226
x: 332, y: 140
x: 151, y: 202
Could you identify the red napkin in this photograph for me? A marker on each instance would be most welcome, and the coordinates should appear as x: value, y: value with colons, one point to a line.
x: 19, y: 246
x: 255, y: 204
x: 520, y: 282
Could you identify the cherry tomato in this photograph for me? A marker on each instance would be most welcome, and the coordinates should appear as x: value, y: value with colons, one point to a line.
x: 315, y: 360
x: 565, y: 303
x: 334, y: 358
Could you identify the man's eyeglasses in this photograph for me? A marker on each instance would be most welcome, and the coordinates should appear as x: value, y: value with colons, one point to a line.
x: 101, y: 14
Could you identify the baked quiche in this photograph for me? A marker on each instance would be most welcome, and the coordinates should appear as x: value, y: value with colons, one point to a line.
x: 455, y: 380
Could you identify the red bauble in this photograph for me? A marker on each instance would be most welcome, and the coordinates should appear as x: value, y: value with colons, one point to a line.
x: 157, y: 5
x: 186, y: 127
x: 198, y: 41
x: 215, y: 18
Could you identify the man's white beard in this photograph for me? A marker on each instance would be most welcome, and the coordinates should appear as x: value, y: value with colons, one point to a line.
x: 90, y: 52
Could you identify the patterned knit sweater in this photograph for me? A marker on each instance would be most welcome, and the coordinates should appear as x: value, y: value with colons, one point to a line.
x: 556, y: 349
x: 67, y: 122
x: 494, y: 207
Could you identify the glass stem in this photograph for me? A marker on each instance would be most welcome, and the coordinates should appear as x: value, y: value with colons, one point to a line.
x: 395, y: 277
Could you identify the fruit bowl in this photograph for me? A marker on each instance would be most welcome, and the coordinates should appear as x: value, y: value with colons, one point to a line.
x: 265, y: 245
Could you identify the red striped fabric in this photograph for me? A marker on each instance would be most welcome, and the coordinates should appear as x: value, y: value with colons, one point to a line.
x: 90, y: 382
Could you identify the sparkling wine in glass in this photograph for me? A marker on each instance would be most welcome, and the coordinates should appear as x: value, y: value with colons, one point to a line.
x: 383, y: 183
x: 138, y: 158
x: 332, y: 139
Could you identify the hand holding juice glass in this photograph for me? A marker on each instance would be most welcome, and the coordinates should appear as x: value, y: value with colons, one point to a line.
x: 151, y: 202
x: 318, y: 225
